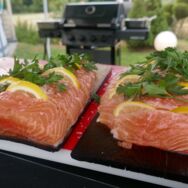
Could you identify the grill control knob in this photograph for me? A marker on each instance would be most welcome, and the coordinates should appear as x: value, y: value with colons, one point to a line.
x: 93, y: 38
x: 82, y: 38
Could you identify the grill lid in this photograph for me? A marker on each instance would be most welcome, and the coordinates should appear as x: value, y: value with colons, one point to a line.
x: 110, y: 14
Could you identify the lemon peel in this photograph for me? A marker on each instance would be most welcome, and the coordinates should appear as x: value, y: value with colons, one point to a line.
x: 29, y: 87
x: 64, y: 72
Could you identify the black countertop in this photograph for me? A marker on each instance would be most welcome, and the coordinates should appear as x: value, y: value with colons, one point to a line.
x: 22, y: 171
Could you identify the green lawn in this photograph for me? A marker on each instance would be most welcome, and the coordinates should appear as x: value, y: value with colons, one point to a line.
x: 29, y: 51
x: 128, y: 56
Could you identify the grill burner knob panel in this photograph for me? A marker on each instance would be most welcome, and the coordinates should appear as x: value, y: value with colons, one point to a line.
x: 93, y: 38
x: 88, y: 37
x: 72, y: 38
x: 104, y: 38
x: 82, y: 38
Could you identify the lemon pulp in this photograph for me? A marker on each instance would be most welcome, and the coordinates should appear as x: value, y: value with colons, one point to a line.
x: 29, y: 87
x: 132, y: 106
x: 181, y: 109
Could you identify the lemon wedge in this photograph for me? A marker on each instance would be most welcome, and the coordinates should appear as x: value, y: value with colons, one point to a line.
x: 129, y: 78
x: 9, y: 80
x: 65, y: 72
x: 29, y: 87
x: 131, y: 107
x: 181, y: 109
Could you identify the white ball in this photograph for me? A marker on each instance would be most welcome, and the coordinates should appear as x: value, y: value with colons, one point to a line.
x: 165, y: 39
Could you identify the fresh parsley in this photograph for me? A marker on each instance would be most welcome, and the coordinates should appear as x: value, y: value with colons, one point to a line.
x: 96, y: 98
x: 160, y: 75
x: 3, y: 87
x: 72, y: 62
x: 30, y: 70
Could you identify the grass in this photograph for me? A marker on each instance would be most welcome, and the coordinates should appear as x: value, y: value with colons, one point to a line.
x: 28, y: 51
x: 128, y: 56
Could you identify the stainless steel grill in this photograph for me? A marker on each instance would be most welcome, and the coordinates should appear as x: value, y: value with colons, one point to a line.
x: 88, y: 27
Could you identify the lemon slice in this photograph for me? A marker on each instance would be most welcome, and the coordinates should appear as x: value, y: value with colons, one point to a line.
x: 127, y: 79
x: 184, y: 84
x: 181, y: 109
x: 29, y: 87
x: 64, y: 72
x: 78, y: 66
x: 131, y: 107
x: 9, y: 80
x: 149, y: 63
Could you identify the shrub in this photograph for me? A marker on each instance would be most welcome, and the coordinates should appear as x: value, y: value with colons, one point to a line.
x: 148, y: 8
x: 168, y: 8
x: 168, y: 13
x: 180, y: 10
x: 182, y: 1
x: 27, y: 33
x: 169, y: 18
x: 26, y: 6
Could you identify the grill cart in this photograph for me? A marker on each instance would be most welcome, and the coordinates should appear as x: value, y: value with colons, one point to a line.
x: 96, y: 28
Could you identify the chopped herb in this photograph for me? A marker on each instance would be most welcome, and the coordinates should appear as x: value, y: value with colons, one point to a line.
x: 71, y: 62
x: 61, y: 87
x: 154, y: 89
x: 32, y: 72
x: 52, y: 78
x: 130, y: 90
x: 3, y: 87
x: 96, y: 98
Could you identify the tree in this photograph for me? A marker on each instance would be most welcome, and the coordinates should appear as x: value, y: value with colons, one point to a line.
x: 25, y: 6
x: 149, y: 8
x: 57, y: 6
x: 169, y: 13
x: 181, y: 9
x: 182, y: 1
x: 138, y: 10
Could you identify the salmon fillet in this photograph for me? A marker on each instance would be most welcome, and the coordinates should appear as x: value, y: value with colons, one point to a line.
x: 158, y: 128
x: 47, y: 122
x: 108, y: 104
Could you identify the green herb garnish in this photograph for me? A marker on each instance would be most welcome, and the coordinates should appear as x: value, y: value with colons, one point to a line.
x: 3, y: 87
x: 32, y: 72
x: 160, y: 75
x: 96, y: 98
x: 71, y: 62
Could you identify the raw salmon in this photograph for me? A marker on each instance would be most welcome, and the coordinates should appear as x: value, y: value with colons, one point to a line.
x: 44, y: 123
x: 108, y: 104
x: 158, y: 128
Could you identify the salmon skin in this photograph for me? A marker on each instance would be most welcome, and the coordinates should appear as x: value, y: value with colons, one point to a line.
x: 158, y: 127
x: 44, y: 122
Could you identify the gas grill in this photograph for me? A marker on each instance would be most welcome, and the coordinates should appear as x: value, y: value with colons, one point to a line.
x: 95, y: 28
